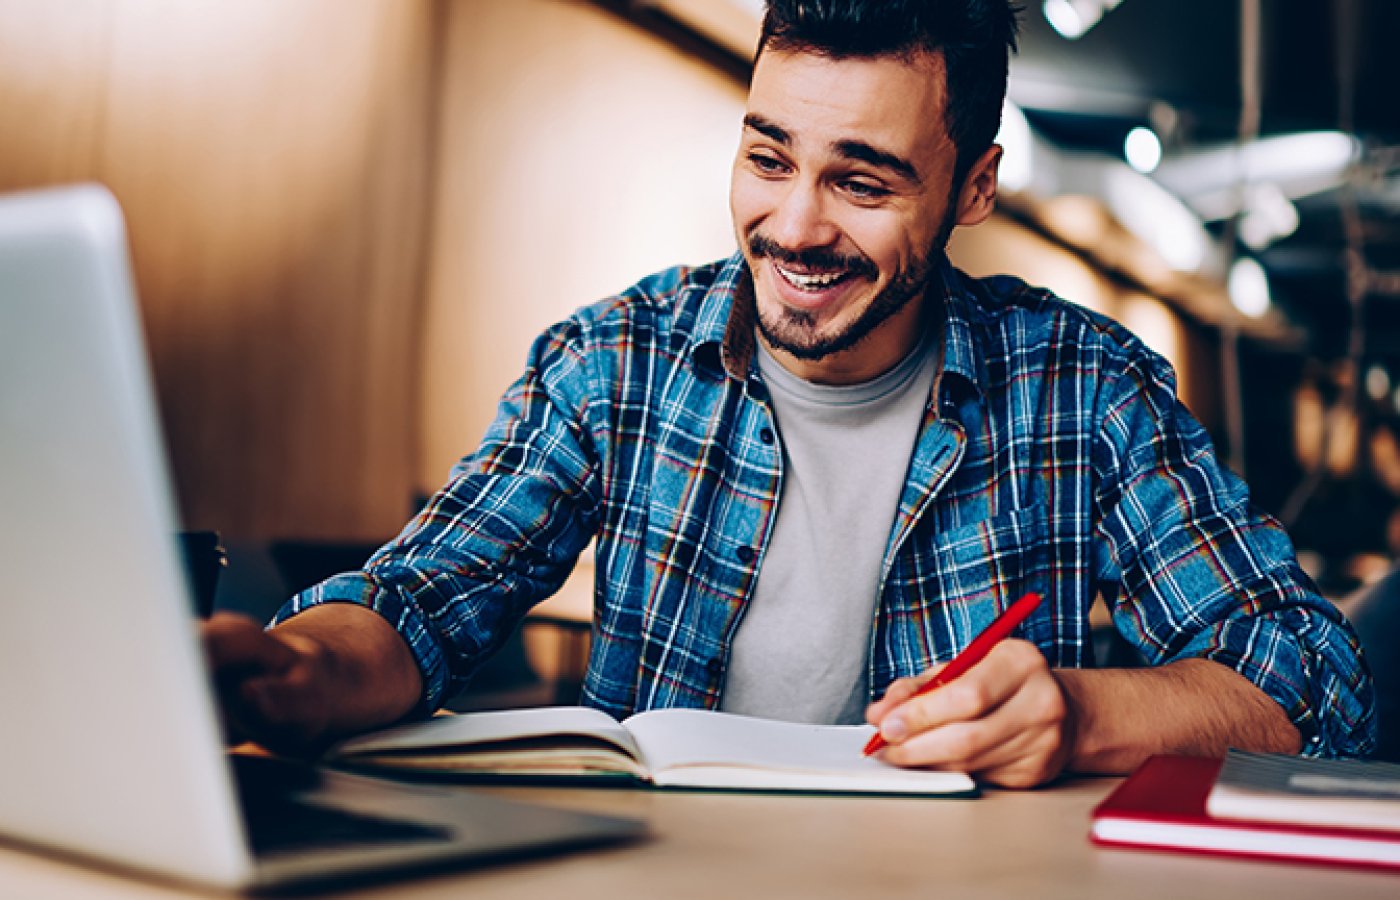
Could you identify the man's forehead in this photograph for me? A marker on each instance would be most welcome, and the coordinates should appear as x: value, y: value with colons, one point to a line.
x: 895, y: 77
x: 901, y: 96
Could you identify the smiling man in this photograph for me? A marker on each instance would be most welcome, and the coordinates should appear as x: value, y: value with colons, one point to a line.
x: 844, y: 202
x: 816, y: 470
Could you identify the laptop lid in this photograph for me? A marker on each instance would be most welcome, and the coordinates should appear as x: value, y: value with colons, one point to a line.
x: 112, y: 746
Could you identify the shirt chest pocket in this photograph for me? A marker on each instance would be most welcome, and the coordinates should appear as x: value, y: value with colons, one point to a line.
x: 978, y: 570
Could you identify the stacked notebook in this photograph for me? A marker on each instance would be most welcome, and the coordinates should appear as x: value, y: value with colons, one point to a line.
x: 1265, y: 806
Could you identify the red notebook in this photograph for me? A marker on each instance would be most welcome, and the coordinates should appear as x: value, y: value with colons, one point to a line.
x: 1162, y: 806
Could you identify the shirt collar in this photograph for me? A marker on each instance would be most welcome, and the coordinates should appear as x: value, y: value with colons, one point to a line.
x: 723, y: 338
x: 963, y: 358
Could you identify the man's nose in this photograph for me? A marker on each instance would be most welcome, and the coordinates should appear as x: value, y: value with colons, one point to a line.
x: 800, y: 220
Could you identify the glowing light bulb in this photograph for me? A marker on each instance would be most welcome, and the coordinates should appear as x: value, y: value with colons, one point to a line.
x: 1143, y: 149
x: 1249, y: 287
x: 1065, y: 19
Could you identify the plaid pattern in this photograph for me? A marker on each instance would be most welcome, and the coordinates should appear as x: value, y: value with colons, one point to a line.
x: 1056, y: 458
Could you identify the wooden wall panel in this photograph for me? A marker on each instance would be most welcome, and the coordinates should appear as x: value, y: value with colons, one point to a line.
x: 273, y: 161
x: 576, y: 155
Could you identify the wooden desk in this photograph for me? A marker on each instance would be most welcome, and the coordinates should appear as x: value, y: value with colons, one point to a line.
x: 1007, y: 844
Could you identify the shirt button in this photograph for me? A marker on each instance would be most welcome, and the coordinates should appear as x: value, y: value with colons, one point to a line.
x: 715, y: 666
x: 766, y: 435
x: 745, y: 555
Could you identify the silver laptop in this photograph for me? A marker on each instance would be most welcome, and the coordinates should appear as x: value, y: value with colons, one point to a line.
x: 111, y: 747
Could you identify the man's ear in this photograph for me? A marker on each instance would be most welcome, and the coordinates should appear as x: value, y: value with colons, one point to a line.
x: 979, y: 190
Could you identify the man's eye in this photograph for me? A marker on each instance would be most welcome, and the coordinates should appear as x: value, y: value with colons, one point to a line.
x: 766, y: 164
x: 864, y: 190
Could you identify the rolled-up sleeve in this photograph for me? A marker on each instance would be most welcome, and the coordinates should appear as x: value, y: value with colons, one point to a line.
x: 502, y: 535
x: 1203, y: 573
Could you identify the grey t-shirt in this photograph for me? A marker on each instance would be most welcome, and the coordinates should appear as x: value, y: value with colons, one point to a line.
x: 801, y: 652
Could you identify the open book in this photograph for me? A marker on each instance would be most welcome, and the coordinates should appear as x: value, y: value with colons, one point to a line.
x: 666, y: 747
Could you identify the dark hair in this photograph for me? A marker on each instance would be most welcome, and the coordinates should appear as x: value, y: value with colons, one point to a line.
x: 974, y: 37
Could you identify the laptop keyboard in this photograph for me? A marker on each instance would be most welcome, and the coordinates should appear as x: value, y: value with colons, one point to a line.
x: 279, y: 821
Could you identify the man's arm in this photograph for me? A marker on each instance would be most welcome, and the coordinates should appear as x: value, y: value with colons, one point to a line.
x: 1014, y: 721
x: 333, y: 670
x: 1193, y: 706
x: 1198, y: 572
x: 406, y: 632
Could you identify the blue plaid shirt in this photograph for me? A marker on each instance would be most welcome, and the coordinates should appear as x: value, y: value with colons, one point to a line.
x: 1053, y: 456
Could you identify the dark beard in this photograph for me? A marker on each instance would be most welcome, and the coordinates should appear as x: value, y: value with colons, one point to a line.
x: 794, y: 331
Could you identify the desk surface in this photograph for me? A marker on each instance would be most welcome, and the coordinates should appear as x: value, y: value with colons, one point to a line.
x: 1006, y: 844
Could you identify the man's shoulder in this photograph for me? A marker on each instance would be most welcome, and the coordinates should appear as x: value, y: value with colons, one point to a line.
x: 669, y: 298
x: 656, y: 322
x: 1010, y: 307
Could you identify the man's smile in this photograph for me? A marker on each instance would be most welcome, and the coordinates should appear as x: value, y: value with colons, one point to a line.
x: 810, y: 281
x: 809, y: 290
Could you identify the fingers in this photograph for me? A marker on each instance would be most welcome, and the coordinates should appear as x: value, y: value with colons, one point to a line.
x: 901, y: 714
x: 264, y: 682
x: 236, y: 643
x: 1004, y: 720
x: 1018, y: 744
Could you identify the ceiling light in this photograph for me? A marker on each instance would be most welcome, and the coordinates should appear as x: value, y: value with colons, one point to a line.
x: 1140, y: 205
x: 1073, y: 18
x: 1267, y: 216
x: 1299, y: 165
x: 1142, y: 149
x: 1377, y: 383
x: 1162, y: 221
x: 1064, y: 18
x: 1249, y: 287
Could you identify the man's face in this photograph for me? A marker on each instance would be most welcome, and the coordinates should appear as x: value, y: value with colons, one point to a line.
x: 842, y: 199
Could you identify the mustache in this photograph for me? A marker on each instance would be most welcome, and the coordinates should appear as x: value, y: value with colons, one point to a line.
x: 761, y: 246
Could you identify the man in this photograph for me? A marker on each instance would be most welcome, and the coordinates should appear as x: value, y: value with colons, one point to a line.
x: 816, y: 470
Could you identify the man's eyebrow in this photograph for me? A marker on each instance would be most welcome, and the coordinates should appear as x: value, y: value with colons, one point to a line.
x: 766, y: 128
x: 881, y: 159
x: 849, y: 149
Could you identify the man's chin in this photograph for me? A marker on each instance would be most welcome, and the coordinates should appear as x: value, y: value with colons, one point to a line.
x: 798, y: 334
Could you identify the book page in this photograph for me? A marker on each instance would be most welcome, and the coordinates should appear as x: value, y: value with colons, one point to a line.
x: 699, y: 748
x: 511, y: 759
x: 495, y: 729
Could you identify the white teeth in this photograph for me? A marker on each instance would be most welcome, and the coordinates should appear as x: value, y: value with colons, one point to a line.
x: 810, y: 282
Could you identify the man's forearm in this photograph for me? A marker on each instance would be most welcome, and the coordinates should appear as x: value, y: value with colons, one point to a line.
x: 1119, y: 717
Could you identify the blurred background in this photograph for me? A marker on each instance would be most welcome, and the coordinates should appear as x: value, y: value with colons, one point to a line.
x: 349, y: 218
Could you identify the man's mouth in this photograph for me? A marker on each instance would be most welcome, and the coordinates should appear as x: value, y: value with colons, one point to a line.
x: 812, y: 270
x: 810, y: 281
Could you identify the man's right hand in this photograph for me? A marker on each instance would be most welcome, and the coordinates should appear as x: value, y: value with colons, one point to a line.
x: 267, y: 683
x: 329, y: 672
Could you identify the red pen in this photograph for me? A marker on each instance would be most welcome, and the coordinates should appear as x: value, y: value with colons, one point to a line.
x: 973, y: 654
